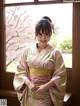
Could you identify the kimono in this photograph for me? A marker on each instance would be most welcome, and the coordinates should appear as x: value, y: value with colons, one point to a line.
x: 41, y: 67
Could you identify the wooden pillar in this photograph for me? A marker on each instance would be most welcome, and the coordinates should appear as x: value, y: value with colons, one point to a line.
x: 2, y: 38
x: 76, y: 50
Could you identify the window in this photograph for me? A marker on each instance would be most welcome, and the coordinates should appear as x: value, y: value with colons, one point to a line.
x: 71, y: 0
x: 48, y: 0
x: 17, y: 1
x: 20, y: 24
x: 73, y: 73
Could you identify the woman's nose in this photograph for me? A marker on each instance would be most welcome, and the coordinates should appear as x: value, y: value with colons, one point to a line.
x: 43, y: 37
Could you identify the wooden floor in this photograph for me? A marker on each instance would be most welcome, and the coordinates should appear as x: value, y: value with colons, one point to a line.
x: 12, y: 100
x: 69, y: 100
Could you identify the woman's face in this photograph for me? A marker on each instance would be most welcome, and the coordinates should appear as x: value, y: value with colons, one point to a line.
x: 43, y: 38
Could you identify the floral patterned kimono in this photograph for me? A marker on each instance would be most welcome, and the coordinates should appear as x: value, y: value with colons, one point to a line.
x: 41, y: 67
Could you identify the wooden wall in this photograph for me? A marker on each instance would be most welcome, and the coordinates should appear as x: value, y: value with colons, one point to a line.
x: 73, y: 85
x: 76, y: 49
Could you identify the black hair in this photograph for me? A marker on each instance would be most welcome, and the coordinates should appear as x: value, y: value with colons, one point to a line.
x: 48, y: 18
x: 43, y: 25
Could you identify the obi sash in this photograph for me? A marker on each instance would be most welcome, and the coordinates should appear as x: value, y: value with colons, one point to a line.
x: 41, y: 73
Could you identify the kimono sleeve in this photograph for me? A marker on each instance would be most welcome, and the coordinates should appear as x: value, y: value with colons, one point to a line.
x: 59, y: 77
x: 21, y: 74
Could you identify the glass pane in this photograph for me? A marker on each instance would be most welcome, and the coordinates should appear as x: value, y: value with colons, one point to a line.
x: 20, y: 25
x: 48, y: 0
x: 71, y: 0
x: 17, y: 1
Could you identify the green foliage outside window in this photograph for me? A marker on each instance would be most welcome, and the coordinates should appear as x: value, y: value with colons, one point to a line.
x: 66, y: 45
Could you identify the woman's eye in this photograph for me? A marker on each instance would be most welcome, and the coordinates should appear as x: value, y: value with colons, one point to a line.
x: 40, y: 34
x: 47, y: 34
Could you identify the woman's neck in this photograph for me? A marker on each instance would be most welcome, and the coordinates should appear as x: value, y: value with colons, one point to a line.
x: 40, y: 47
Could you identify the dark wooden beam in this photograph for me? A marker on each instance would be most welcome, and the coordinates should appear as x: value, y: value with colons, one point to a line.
x: 2, y: 38
x: 76, y: 50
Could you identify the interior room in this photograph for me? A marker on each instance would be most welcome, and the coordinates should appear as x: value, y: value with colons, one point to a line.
x: 7, y: 92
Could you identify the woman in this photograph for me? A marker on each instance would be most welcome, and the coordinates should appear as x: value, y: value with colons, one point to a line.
x: 40, y: 79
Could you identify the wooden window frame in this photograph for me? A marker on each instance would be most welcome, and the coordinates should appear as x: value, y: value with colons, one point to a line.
x: 6, y: 77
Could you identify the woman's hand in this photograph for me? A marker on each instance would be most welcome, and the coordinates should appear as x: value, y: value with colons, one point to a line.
x: 46, y: 86
x: 42, y: 89
x: 31, y: 85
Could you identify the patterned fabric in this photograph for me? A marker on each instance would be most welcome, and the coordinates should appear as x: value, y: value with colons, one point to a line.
x: 41, y: 67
